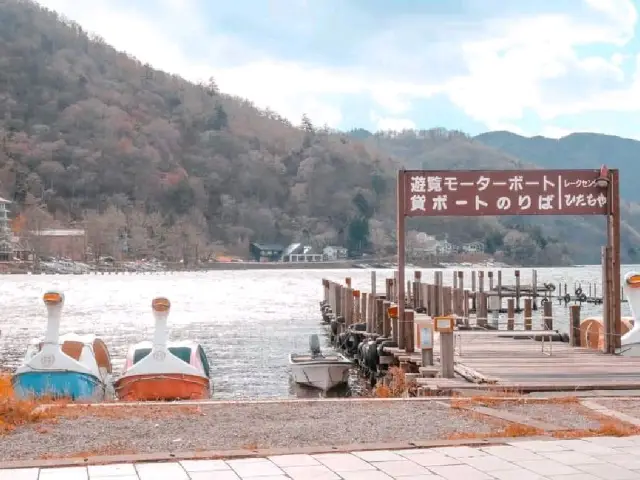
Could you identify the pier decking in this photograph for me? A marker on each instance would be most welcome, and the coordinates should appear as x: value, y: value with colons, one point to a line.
x: 524, y: 354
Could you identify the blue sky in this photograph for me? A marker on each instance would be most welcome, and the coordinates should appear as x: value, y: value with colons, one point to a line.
x: 534, y: 68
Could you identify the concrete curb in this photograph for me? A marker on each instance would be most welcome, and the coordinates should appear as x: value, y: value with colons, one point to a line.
x: 234, y: 454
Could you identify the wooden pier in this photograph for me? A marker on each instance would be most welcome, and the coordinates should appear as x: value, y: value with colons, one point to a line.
x: 484, y: 351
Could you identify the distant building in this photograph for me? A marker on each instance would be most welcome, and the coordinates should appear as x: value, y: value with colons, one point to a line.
x: 6, y: 235
x: 298, y: 252
x: 443, y: 247
x: 473, y: 247
x: 62, y: 243
x: 264, y: 252
x: 332, y: 253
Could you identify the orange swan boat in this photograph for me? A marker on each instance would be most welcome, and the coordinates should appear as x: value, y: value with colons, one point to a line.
x: 162, y: 370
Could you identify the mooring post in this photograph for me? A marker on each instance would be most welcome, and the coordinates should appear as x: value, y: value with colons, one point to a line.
x: 548, y: 315
x: 517, y: 274
x: 575, y: 339
x: 534, y: 288
x: 409, y: 342
x: 511, y: 315
x: 445, y: 326
x: 481, y: 312
x: 387, y: 321
x: 528, y: 321
x: 373, y: 282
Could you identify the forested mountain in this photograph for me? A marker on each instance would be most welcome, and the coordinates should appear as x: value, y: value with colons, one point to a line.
x: 578, y: 150
x: 537, y: 239
x: 90, y: 136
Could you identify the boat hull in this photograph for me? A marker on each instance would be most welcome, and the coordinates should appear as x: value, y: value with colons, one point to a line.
x: 58, y: 384
x: 162, y: 387
x: 323, y: 376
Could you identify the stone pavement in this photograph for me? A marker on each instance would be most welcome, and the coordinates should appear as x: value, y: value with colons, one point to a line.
x: 597, y: 458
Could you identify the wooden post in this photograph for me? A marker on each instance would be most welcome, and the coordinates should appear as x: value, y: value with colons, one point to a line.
x: 465, y: 307
x: 440, y: 292
x: 416, y: 294
x: 574, y: 326
x: 527, y: 314
x: 373, y: 283
x: 409, y: 342
x: 348, y: 307
x: 446, y: 301
x: 383, y: 326
x: 606, y: 297
x: 534, y: 288
x: 388, y: 286
x: 446, y: 355
x: 500, y: 286
x: 490, y: 275
x: 613, y: 238
x: 481, y: 313
x: 473, y: 291
x: 511, y: 315
x: 363, y: 311
x: 517, y: 273
x: 481, y: 281
x: 388, y: 322
x: 347, y: 281
x: 548, y: 315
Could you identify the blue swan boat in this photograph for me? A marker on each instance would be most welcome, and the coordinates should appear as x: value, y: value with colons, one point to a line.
x: 63, y: 366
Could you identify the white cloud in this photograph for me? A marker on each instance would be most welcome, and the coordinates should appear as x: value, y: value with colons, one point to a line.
x: 494, y: 70
x: 390, y: 123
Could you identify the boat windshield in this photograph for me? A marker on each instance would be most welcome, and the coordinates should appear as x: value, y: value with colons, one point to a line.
x: 183, y: 353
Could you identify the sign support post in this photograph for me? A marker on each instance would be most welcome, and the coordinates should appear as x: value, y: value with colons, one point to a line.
x: 400, y: 234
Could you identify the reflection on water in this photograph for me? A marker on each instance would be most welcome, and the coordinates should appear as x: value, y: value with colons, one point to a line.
x: 247, y: 321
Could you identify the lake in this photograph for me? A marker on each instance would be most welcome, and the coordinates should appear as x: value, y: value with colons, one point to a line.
x: 248, y: 321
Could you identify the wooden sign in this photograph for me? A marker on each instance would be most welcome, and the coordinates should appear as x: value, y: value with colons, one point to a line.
x: 526, y: 192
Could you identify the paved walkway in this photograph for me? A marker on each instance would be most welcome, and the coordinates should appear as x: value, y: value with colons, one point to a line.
x: 602, y: 458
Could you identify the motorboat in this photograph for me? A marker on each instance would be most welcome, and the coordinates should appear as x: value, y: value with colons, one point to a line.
x: 163, y: 370
x: 317, y: 370
x: 63, y: 366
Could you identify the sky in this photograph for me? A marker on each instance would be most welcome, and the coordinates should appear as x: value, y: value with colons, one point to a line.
x: 547, y: 67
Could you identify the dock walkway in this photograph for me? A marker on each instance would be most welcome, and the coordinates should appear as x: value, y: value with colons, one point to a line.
x: 603, y: 458
x: 525, y: 353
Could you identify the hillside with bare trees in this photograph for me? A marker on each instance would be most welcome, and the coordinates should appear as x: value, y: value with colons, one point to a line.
x: 92, y: 138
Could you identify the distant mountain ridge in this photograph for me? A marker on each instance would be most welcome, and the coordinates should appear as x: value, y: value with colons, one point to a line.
x: 578, y: 150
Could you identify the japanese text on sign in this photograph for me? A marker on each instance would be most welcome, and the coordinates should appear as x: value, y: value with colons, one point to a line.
x: 529, y: 192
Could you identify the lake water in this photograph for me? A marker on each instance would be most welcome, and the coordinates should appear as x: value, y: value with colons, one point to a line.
x: 247, y: 321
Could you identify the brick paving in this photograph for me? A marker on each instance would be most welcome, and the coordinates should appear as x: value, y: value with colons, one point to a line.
x: 596, y: 458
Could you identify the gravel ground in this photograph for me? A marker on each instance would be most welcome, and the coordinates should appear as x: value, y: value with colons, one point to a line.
x: 571, y: 416
x: 630, y: 407
x: 210, y: 427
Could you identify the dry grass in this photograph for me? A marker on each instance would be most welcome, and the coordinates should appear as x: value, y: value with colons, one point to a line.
x: 15, y: 413
x: 510, y: 431
x: 499, y: 401
x: 396, y: 385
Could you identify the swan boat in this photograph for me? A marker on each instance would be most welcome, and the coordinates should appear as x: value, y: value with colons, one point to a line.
x: 317, y: 370
x: 162, y: 370
x: 630, y: 341
x: 63, y: 366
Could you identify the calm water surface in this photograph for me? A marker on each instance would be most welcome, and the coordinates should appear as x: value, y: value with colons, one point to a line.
x: 247, y: 321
